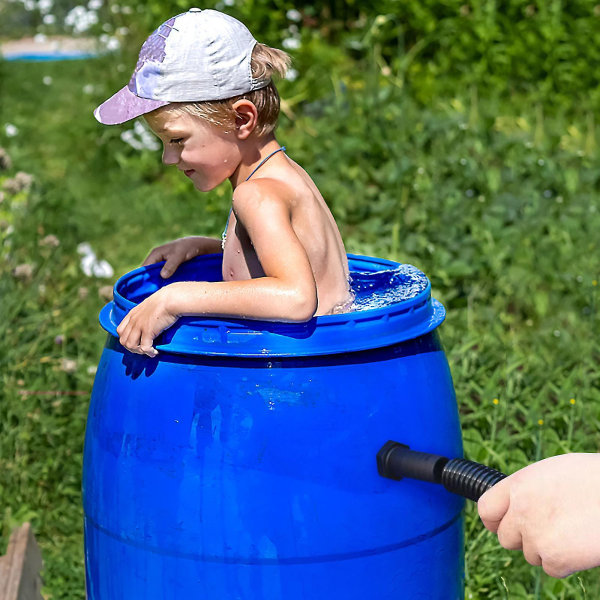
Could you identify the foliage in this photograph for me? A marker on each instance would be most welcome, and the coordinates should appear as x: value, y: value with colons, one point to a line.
x: 493, y: 195
x: 508, y: 46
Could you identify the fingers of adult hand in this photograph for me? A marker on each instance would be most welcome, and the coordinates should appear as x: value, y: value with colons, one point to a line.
x: 531, y: 554
x: 558, y: 567
x: 492, y: 506
x: 509, y: 534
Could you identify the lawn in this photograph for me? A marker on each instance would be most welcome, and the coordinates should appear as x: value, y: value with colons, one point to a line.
x: 495, y: 198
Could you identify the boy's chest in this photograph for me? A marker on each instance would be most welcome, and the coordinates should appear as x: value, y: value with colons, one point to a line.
x: 240, y: 261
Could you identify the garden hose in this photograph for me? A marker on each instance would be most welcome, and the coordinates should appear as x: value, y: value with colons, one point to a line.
x: 458, y: 475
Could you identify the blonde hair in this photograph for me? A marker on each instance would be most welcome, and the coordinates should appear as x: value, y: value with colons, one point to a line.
x: 265, y: 63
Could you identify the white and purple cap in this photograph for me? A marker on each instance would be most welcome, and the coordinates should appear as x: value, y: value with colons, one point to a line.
x: 196, y: 56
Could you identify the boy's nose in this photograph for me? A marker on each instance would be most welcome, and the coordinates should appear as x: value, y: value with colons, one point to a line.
x: 170, y: 156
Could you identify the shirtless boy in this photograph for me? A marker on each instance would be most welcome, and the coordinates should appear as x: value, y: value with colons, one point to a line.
x: 204, y: 86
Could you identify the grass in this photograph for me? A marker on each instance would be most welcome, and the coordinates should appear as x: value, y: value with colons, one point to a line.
x: 495, y: 199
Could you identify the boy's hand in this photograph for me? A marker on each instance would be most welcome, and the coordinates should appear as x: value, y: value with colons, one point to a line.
x: 551, y: 511
x: 178, y: 251
x: 145, y: 321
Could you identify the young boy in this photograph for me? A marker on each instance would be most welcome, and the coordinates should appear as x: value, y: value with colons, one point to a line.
x: 204, y: 86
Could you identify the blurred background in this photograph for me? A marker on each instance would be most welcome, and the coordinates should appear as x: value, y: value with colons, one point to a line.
x: 458, y: 136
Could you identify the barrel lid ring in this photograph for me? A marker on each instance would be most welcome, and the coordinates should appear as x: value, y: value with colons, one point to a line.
x: 330, y: 334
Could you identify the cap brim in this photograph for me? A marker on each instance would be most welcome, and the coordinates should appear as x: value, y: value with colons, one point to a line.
x: 124, y: 106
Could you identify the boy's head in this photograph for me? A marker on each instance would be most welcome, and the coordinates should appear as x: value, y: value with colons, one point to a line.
x: 200, y: 63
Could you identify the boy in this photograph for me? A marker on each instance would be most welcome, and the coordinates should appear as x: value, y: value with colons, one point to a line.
x: 203, y: 84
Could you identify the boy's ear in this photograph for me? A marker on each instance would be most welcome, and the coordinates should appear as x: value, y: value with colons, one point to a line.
x: 246, y: 118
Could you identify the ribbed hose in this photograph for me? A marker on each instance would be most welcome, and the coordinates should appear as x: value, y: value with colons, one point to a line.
x: 468, y: 478
x: 458, y: 475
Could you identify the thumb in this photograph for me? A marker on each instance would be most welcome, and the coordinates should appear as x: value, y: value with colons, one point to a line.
x: 493, y: 505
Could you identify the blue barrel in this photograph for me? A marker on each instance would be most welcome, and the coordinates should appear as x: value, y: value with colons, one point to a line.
x: 240, y: 463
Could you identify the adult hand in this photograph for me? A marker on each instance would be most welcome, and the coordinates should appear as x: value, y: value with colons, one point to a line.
x: 179, y: 251
x: 551, y: 511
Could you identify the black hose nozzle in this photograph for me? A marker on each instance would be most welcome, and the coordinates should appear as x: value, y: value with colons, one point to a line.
x: 458, y: 475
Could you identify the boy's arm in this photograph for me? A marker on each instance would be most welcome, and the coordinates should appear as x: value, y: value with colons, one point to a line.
x: 287, y: 293
x: 551, y: 511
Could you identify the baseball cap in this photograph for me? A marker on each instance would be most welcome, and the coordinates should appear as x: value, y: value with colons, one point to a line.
x: 195, y: 56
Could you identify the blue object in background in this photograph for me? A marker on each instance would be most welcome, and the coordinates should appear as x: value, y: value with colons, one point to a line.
x: 240, y: 463
x: 46, y: 56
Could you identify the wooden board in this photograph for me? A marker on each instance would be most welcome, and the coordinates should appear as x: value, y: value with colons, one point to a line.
x: 20, y: 567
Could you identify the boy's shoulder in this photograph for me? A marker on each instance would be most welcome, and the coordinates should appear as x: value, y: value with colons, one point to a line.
x: 263, y: 193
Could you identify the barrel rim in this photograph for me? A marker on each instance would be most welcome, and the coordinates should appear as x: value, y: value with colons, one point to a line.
x: 328, y: 334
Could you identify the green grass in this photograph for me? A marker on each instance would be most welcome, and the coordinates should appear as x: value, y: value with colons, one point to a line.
x: 496, y: 200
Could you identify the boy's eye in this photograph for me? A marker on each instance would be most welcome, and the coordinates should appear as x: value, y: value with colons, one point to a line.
x: 176, y: 141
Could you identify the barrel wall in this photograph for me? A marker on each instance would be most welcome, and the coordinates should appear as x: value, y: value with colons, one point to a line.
x: 255, y: 479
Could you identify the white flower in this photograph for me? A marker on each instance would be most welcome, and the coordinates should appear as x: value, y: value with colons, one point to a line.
x: 49, y: 19
x: 10, y: 130
x: 291, y: 44
x: 109, y: 42
x: 123, y: 30
x: 91, y: 266
x: 29, y: 5
x: 294, y: 15
x: 129, y: 138
x: 45, y: 5
x: 115, y: 8
x: 95, y: 4
x: 126, y: 10
x: 47, y: 80
x: 140, y: 138
x: 228, y: 2
x: 113, y: 44
x: 39, y: 38
x: 68, y: 365
x: 88, y: 89
x: 81, y: 19
x: 291, y: 75
x: 84, y: 248
x: 103, y: 269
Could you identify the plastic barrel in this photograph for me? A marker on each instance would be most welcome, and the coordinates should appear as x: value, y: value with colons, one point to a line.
x: 240, y: 463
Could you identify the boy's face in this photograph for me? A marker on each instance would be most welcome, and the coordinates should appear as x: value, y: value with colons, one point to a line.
x: 205, y: 153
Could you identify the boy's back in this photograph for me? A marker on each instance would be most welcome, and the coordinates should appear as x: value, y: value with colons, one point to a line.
x: 289, y: 186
